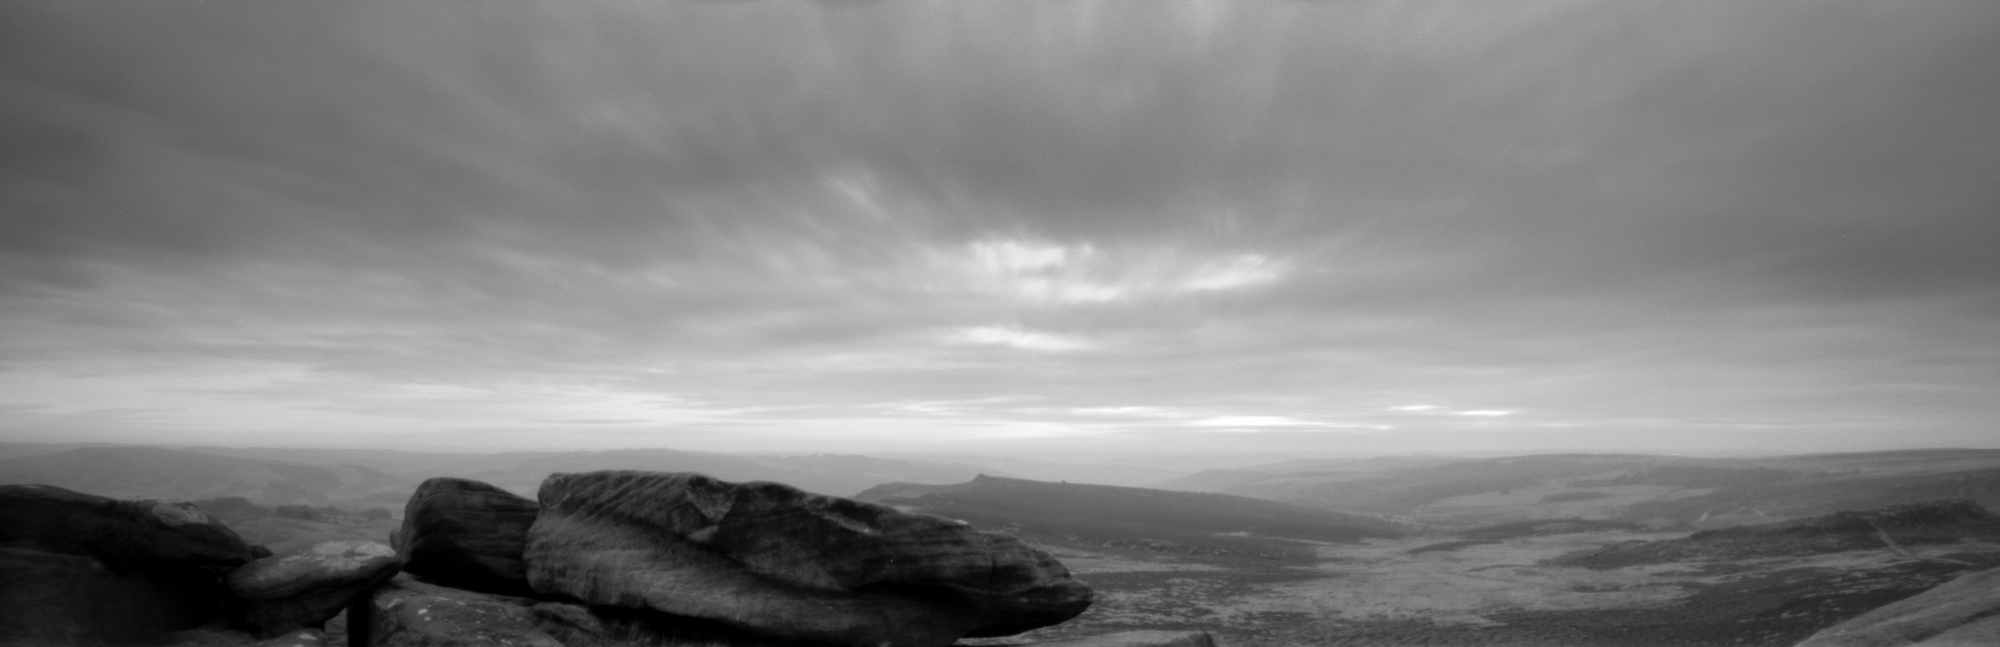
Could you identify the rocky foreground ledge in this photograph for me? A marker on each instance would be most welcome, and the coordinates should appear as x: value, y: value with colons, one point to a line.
x: 602, y: 559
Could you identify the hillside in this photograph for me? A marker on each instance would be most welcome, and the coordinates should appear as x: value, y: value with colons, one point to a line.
x: 291, y: 528
x: 1660, y: 491
x: 151, y: 472
x: 1194, y: 524
x: 1894, y: 528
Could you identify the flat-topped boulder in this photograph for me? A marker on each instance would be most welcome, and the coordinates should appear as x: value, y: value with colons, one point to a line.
x: 466, y: 534
x: 781, y: 562
x: 285, y: 593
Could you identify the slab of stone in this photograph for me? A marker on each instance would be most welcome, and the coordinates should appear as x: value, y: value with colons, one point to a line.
x: 284, y: 593
x: 784, y: 563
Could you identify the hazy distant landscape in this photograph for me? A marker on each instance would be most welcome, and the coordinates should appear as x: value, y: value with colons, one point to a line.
x: 1528, y: 550
x: 1005, y: 323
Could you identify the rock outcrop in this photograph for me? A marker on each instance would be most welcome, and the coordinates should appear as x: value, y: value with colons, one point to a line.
x: 1964, y: 612
x: 124, y: 535
x: 303, y: 590
x: 1139, y: 638
x: 780, y: 562
x: 79, y: 568
x: 412, y: 613
x: 298, y: 638
x: 466, y: 534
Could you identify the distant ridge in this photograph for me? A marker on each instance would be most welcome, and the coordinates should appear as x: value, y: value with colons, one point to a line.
x: 154, y: 472
x: 1890, y: 528
x: 1086, y: 512
x: 1661, y: 491
x: 368, y: 479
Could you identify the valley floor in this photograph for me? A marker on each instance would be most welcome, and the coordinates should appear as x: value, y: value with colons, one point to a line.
x: 1387, y: 592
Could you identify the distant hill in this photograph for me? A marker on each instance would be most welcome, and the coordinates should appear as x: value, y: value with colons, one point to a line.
x: 835, y: 474
x: 1891, y: 528
x: 370, y: 479
x: 291, y: 528
x: 1274, y: 476
x: 156, y: 473
x: 1117, y: 516
x: 1667, y: 491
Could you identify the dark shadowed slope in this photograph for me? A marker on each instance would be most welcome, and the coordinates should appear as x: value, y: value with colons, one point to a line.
x: 1105, y: 514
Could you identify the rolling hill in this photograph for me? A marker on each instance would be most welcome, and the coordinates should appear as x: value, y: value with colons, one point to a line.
x: 1661, y: 491
x: 159, y: 473
x: 1892, y: 528
x: 1195, y: 524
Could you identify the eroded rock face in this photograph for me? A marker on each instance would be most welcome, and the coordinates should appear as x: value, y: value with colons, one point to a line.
x: 1962, y: 612
x: 781, y: 562
x: 1139, y: 638
x: 411, y: 613
x: 54, y: 598
x: 89, y: 568
x: 466, y: 534
x: 305, y: 589
x: 123, y: 535
x: 297, y: 638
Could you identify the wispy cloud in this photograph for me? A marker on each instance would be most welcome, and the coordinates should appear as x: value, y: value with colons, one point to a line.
x: 1129, y: 411
x: 1233, y: 273
x: 1266, y: 422
x: 1036, y: 272
x: 1278, y: 216
x: 1018, y: 339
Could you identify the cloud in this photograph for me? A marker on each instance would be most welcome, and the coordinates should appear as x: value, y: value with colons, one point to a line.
x: 1262, y: 422
x: 411, y: 217
x: 1042, y: 273
x: 1018, y: 339
x: 1233, y: 273
x: 1129, y: 411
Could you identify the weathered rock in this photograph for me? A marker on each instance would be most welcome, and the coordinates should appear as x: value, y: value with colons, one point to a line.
x: 305, y: 589
x: 412, y: 613
x: 1962, y: 612
x: 466, y: 534
x: 1140, y: 638
x: 577, y: 626
x: 72, y: 599
x: 89, y: 568
x: 785, y: 563
x: 123, y: 535
x: 297, y: 638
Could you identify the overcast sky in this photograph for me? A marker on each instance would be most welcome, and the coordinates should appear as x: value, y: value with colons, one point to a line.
x: 1316, y: 227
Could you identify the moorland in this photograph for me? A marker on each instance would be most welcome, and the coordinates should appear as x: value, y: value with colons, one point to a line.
x: 1573, y: 549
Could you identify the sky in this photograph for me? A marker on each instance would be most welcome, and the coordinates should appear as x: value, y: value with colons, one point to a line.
x: 1300, y: 228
